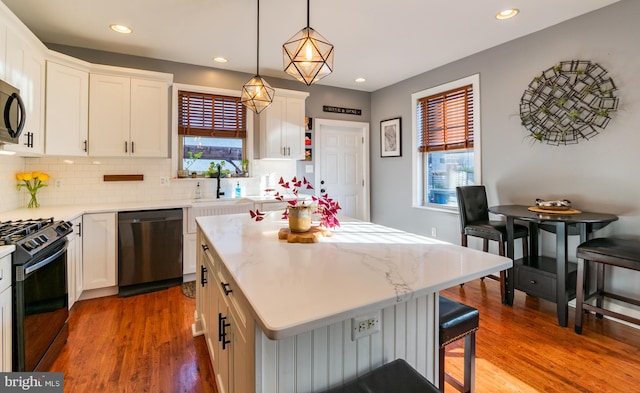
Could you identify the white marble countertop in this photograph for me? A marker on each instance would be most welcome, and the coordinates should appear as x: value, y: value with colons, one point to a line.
x: 293, y: 287
x: 69, y: 212
x: 6, y: 250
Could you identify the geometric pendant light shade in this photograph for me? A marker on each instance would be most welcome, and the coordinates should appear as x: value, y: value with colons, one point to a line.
x: 308, y: 56
x: 257, y: 94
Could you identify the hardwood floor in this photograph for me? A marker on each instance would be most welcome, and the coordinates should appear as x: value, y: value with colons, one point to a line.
x: 522, y: 348
x: 144, y: 344
x: 137, y: 344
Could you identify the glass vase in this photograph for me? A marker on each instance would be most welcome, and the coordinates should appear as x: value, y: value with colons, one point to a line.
x: 33, y: 202
x: 300, y: 218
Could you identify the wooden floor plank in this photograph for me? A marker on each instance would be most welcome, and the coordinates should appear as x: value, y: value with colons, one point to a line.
x: 522, y: 348
x: 144, y: 344
x: 137, y: 344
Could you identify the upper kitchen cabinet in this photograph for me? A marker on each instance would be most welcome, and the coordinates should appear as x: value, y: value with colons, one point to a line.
x: 24, y: 68
x: 282, y: 126
x: 67, y: 103
x: 128, y: 115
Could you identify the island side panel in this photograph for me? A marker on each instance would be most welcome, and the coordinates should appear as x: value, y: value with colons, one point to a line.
x: 326, y: 357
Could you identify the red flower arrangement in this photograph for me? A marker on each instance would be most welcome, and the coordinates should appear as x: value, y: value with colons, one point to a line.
x: 325, y: 207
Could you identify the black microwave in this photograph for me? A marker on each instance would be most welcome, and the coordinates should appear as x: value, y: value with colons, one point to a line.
x: 13, y: 113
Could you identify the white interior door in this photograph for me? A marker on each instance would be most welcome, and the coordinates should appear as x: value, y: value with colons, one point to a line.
x: 342, y: 168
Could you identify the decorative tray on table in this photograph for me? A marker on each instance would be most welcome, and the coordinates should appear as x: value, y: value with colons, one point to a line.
x: 562, y: 206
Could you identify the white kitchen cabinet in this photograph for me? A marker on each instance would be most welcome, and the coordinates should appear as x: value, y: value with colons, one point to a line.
x: 74, y: 262
x: 3, y: 47
x: 67, y: 115
x: 149, y: 118
x: 189, y: 254
x: 226, y: 323
x: 282, y: 126
x: 5, y: 314
x: 128, y: 117
x: 25, y: 69
x: 99, y: 257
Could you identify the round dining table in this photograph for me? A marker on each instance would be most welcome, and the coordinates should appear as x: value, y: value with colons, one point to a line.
x: 558, y: 271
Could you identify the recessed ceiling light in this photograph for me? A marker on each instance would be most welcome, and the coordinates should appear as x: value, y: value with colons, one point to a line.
x: 220, y: 59
x: 360, y: 80
x: 506, y: 14
x: 120, y: 28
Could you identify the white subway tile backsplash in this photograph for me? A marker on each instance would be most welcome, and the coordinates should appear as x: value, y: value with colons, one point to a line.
x: 10, y: 197
x: 82, y: 180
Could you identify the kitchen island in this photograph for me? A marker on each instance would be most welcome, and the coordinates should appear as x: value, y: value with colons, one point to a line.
x: 290, y: 317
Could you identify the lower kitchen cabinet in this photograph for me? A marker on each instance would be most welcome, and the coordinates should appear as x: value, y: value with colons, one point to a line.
x: 74, y: 262
x: 99, y: 258
x: 227, y: 326
x: 5, y: 314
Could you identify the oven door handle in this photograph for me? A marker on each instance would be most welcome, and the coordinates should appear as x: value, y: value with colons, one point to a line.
x: 45, y: 261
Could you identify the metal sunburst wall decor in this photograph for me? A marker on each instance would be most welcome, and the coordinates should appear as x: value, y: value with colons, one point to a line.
x: 567, y: 102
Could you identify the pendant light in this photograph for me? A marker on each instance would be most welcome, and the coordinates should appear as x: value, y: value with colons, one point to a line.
x: 257, y: 94
x: 308, y: 56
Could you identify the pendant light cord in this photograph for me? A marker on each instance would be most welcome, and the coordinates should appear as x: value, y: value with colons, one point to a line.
x: 307, y: 13
x: 258, y: 42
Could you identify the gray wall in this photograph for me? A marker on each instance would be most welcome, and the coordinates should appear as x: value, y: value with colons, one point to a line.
x: 596, y: 175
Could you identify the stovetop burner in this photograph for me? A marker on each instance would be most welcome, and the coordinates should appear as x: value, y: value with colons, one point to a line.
x: 33, y: 238
x: 12, y: 232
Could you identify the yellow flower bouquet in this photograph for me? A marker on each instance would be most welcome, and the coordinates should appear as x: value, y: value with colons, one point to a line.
x: 33, y: 181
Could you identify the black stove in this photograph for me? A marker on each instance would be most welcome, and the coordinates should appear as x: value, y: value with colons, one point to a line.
x: 32, y: 236
x: 40, y: 300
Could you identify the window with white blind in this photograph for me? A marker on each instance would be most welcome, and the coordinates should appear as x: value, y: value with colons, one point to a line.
x: 446, y: 141
x: 211, y: 129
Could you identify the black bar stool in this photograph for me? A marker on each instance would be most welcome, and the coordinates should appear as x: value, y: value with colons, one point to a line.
x: 394, y: 377
x: 473, y: 209
x: 604, y: 251
x: 458, y: 321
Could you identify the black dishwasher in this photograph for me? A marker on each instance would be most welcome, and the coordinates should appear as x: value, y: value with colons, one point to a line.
x: 149, y: 250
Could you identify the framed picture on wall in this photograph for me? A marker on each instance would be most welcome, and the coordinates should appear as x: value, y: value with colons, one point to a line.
x: 390, y: 138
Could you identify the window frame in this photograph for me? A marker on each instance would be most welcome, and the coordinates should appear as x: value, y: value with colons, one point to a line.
x: 175, y: 138
x: 418, y: 158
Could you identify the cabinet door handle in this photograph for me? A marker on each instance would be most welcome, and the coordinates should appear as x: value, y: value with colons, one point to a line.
x: 29, y: 139
x: 205, y: 247
x: 222, y: 331
x: 86, y: 145
x: 225, y: 288
x: 125, y: 147
x: 220, y: 328
x: 203, y: 277
x: 133, y: 149
x: 79, y: 225
x: 284, y: 150
x: 288, y: 151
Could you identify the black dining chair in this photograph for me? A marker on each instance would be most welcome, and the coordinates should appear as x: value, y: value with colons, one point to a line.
x: 474, y: 221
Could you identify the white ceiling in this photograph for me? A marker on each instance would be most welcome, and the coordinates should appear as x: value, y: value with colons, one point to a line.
x: 384, y: 41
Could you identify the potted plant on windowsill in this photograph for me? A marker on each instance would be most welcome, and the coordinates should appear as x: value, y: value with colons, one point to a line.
x: 299, y: 210
x: 188, y: 162
x: 245, y: 167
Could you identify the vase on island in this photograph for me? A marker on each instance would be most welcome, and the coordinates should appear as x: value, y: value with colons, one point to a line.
x: 300, y: 218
